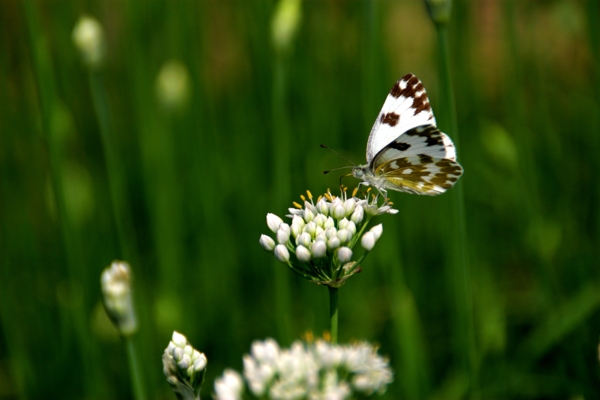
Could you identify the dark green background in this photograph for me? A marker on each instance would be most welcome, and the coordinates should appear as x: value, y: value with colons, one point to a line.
x: 190, y: 191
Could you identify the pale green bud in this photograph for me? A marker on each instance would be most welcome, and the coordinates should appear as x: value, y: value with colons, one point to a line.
x: 304, y: 239
x: 117, y: 299
x: 298, y: 220
x: 296, y: 230
x: 311, y: 228
x: 349, y: 206
x: 320, y: 220
x: 284, y: 25
x: 88, y: 37
x: 377, y: 231
x: 439, y: 10
x: 343, y: 223
x: 330, y: 223
x: 283, y: 233
x: 344, y: 236
x: 266, y: 243
x: 330, y: 232
x: 351, y: 227
x: 173, y: 85
x: 308, y: 215
x: 337, y: 209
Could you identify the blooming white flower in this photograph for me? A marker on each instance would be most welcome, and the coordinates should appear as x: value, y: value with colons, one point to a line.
x: 116, y: 295
x: 184, y: 367
x: 318, y: 370
x: 318, y: 230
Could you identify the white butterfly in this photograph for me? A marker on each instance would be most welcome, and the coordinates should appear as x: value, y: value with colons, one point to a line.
x: 406, y: 151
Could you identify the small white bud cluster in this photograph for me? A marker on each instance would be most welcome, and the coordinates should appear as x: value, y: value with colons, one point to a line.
x: 88, y: 36
x: 184, y: 367
x: 317, y: 370
x: 116, y: 296
x: 322, y: 236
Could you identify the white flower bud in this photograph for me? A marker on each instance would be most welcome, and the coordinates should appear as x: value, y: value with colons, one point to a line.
x: 185, y: 362
x: 302, y: 253
x: 344, y: 235
x: 296, y: 230
x: 273, y: 222
x: 368, y: 241
x: 320, y: 220
x: 323, y: 206
x: 282, y: 254
x: 358, y: 215
x: 321, y: 236
x: 308, y: 215
x: 267, y: 243
x: 199, y: 363
x: 116, y: 293
x: 318, y: 249
x: 333, y: 243
x: 285, y: 23
x: 329, y: 224
x: 283, y: 233
x: 343, y: 223
x: 298, y: 220
x: 337, y: 209
x: 330, y: 232
x: 88, y: 36
x: 178, y: 339
x: 311, y: 228
x: 350, y: 227
x: 344, y: 254
x: 304, y: 239
x: 349, y: 206
x: 377, y: 231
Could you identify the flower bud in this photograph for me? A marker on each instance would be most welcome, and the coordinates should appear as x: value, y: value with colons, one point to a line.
x: 282, y: 254
x: 358, y: 215
x: 273, y: 222
x: 303, y: 254
x: 377, y: 231
x: 296, y: 230
x: 320, y: 220
x: 298, y: 220
x: 323, y: 207
x: 283, y: 233
x: 304, y: 239
x: 333, y: 243
x: 117, y: 299
x: 344, y: 236
x: 329, y: 224
x: 344, y: 254
x: 368, y: 241
x: 229, y: 386
x: 349, y: 206
x: 318, y: 249
x: 267, y: 243
x: 308, y: 214
x: 343, y: 223
x: 351, y: 228
x: 173, y: 85
x: 337, y: 209
x: 330, y: 232
x: 311, y: 228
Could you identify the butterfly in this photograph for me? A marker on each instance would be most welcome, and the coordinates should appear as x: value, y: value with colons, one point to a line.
x: 406, y: 151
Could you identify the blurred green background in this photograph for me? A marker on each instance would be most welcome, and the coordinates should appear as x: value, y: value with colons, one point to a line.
x: 96, y: 167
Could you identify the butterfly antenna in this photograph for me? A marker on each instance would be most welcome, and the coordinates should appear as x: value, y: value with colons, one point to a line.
x: 345, y: 158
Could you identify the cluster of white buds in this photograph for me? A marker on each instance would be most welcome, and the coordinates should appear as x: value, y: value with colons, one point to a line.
x: 88, y: 36
x: 117, y: 299
x: 184, y: 367
x: 318, y: 370
x: 322, y: 236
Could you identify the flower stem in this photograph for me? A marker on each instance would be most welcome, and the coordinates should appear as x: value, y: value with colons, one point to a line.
x: 333, y: 313
x: 134, y: 370
x: 461, y: 273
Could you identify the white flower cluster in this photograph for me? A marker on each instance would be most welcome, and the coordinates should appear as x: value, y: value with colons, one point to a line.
x: 322, y: 236
x: 184, y: 367
x: 317, y: 370
x: 116, y: 296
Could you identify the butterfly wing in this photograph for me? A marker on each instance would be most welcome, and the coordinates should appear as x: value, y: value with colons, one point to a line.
x: 405, y: 107
x: 422, y: 160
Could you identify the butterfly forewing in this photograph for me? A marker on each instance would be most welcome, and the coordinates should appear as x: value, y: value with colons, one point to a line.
x: 419, y: 174
x: 405, y: 107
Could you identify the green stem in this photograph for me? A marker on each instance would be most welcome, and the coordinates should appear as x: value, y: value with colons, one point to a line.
x: 462, y: 277
x: 134, y: 370
x: 333, y: 313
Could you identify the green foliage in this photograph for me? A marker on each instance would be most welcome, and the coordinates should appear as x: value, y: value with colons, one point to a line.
x: 94, y: 168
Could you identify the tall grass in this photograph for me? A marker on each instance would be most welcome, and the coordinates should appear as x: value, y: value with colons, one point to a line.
x: 193, y: 189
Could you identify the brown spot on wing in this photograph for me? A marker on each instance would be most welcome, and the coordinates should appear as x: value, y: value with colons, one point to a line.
x: 390, y: 118
x: 413, y: 85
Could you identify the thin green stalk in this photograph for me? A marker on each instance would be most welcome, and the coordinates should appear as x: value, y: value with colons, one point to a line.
x: 118, y: 192
x: 281, y: 186
x: 333, y: 313
x: 134, y: 370
x: 462, y: 276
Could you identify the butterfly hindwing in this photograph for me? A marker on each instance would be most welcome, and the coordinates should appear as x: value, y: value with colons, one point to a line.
x: 419, y: 174
x: 406, y: 107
